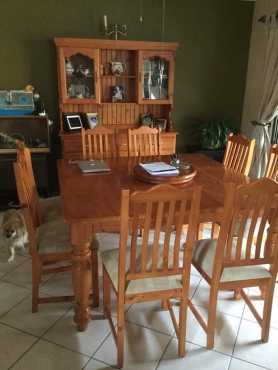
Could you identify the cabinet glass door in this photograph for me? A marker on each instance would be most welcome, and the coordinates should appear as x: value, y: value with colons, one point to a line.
x: 79, y: 76
x: 156, y: 78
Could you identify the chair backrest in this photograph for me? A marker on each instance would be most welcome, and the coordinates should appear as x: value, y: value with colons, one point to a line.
x: 248, y: 231
x: 25, y: 161
x: 239, y: 154
x: 161, y: 212
x: 98, y: 143
x: 143, y: 141
x: 272, y: 164
x: 27, y: 196
x: 24, y: 158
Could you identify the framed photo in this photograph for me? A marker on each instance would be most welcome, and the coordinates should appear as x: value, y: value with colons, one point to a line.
x: 117, y: 93
x: 93, y: 119
x: 73, y: 122
x: 161, y: 123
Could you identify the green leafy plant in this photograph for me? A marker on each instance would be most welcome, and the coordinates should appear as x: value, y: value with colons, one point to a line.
x: 214, y: 134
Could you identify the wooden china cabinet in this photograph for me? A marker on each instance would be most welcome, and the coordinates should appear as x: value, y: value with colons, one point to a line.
x: 87, y: 84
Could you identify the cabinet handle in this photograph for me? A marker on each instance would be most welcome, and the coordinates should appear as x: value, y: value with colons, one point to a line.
x: 96, y: 76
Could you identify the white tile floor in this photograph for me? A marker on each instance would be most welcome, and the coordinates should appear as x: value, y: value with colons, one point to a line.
x: 48, y: 340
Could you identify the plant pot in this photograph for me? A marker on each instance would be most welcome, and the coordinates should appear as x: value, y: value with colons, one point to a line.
x: 216, y: 154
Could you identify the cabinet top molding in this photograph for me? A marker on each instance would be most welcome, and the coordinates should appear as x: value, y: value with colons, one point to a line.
x: 114, y: 44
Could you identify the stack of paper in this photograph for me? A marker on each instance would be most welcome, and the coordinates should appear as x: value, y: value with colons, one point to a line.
x: 159, y: 169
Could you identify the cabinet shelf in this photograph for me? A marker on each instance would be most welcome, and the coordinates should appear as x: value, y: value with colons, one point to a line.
x: 33, y: 150
x: 119, y: 77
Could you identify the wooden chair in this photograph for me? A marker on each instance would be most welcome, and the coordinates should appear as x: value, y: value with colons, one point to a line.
x: 49, y: 243
x: 272, y: 164
x: 239, y: 154
x: 153, y: 269
x: 143, y: 141
x: 238, y: 157
x: 98, y: 143
x: 48, y: 209
x: 238, y: 259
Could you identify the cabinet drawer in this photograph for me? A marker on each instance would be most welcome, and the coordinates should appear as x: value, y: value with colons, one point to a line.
x: 72, y: 146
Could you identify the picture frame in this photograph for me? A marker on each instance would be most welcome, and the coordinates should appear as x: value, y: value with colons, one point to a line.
x: 92, y: 119
x: 73, y: 121
x: 117, y: 93
x: 161, y: 123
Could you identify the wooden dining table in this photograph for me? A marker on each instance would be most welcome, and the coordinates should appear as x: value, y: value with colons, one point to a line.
x: 91, y: 203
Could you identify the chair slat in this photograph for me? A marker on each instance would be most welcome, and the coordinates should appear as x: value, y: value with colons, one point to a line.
x: 168, y: 230
x: 272, y: 165
x: 134, y: 236
x: 143, y: 141
x: 98, y: 143
x: 239, y: 153
x: 147, y: 225
x: 158, y: 224
x: 179, y: 227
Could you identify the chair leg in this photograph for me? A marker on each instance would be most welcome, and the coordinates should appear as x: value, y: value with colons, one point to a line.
x: 211, y: 316
x: 106, y: 294
x: 182, y: 325
x: 164, y: 305
x: 237, y: 295
x: 120, y: 335
x: 36, y: 277
x: 268, y: 298
x: 95, y: 285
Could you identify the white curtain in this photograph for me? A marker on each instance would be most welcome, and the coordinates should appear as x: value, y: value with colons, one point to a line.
x: 269, y: 103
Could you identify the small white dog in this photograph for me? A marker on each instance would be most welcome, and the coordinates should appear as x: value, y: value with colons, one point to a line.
x: 14, y: 231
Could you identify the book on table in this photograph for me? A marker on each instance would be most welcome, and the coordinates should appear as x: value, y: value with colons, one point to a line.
x: 159, y: 169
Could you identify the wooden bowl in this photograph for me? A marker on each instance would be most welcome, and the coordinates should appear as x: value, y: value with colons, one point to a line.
x: 185, y: 175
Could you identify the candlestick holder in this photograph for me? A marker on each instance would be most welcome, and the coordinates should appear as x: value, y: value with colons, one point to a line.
x: 115, y: 29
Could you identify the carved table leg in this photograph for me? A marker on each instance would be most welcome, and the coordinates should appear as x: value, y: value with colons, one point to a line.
x: 81, y: 234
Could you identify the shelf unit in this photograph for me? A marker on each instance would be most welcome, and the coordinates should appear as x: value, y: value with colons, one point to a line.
x: 34, y: 130
x: 147, y: 84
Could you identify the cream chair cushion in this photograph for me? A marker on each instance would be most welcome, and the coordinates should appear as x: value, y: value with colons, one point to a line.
x: 110, y: 262
x: 50, y: 209
x: 54, y: 237
x: 203, y: 256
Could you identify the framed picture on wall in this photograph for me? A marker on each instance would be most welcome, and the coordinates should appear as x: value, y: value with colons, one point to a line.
x: 92, y: 119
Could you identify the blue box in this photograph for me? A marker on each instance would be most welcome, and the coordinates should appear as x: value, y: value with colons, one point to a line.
x: 16, y: 103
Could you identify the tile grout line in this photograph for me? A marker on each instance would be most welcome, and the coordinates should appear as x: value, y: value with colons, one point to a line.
x: 234, y: 346
x: 99, y: 346
x: 251, y: 363
x: 13, y: 306
x: 15, y: 267
x: 23, y: 354
x: 66, y: 348
x: 27, y: 259
x: 39, y: 338
x: 163, y: 353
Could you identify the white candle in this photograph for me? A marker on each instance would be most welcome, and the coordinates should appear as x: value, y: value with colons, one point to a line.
x: 105, y: 21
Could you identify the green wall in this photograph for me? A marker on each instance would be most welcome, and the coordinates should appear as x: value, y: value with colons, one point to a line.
x: 210, y: 66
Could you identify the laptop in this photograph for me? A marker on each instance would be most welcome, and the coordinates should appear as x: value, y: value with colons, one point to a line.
x: 93, y: 166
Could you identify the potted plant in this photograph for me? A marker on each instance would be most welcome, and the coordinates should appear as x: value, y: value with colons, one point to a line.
x: 214, y: 137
